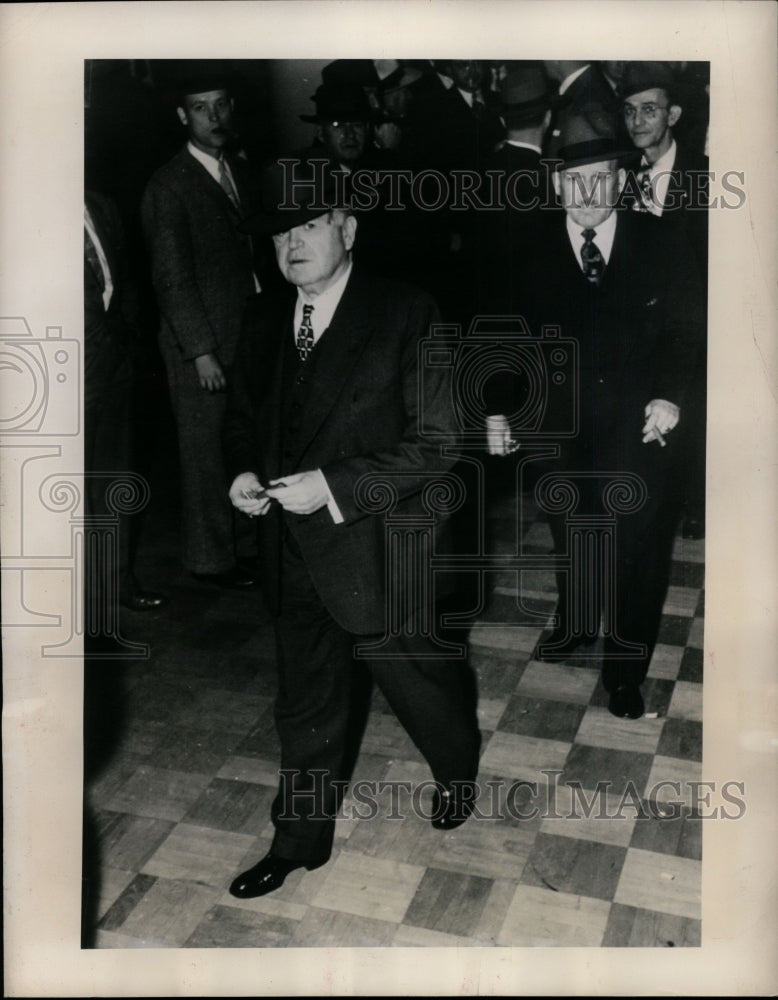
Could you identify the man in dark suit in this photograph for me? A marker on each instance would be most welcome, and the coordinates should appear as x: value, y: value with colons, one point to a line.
x: 582, y: 91
x: 111, y: 335
x: 328, y: 390
x: 203, y: 271
x: 672, y: 184
x: 628, y: 293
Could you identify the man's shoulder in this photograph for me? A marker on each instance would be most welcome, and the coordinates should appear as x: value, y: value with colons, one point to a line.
x: 177, y: 171
x: 374, y: 288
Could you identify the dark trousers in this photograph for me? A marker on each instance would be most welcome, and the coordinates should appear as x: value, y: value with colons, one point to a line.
x: 322, y: 705
x: 629, y: 582
x: 212, y: 533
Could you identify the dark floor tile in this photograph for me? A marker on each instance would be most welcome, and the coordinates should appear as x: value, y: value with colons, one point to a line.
x: 681, y: 738
x: 692, y: 664
x: 497, y: 673
x: 448, y: 902
x: 700, y: 610
x: 195, y: 750
x: 532, y: 613
x: 115, y: 916
x: 674, y: 630
x: 619, y: 769
x: 230, y: 927
x: 657, y: 695
x: 580, y: 867
x: 687, y: 574
x: 238, y: 806
x: 540, y: 717
x: 630, y: 927
x: 676, y: 832
x: 126, y: 841
x: 262, y: 741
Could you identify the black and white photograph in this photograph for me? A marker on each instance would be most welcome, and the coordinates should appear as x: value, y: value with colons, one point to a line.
x: 388, y: 516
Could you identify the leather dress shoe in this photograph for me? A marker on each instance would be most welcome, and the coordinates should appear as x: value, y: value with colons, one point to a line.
x: 267, y: 875
x: 452, y: 806
x: 564, y: 646
x: 626, y: 702
x: 236, y: 578
x: 143, y: 600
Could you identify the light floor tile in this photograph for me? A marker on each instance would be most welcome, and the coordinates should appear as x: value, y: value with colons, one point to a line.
x: 113, y: 882
x: 369, y: 887
x: 660, y: 882
x: 253, y: 769
x: 540, y: 917
x: 686, y: 702
x: 159, y: 793
x: 200, y: 854
x: 420, y: 937
x: 588, y: 815
x: 518, y: 638
x: 490, y: 711
x: 666, y: 662
x: 522, y: 757
x: 599, y: 728
x: 558, y: 682
x: 673, y: 781
x: 689, y: 550
x: 695, y: 639
x: 170, y: 912
x: 681, y: 601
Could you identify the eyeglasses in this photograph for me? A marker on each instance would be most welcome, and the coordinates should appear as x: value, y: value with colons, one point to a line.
x: 648, y: 111
x: 342, y: 126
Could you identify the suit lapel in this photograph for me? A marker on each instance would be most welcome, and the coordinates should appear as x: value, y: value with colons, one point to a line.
x: 336, y: 354
x: 206, y: 183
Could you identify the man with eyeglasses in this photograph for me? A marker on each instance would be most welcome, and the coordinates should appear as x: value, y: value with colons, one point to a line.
x: 619, y: 285
x: 671, y: 182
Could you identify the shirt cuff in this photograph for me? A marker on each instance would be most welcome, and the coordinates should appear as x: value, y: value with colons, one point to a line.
x: 332, y: 507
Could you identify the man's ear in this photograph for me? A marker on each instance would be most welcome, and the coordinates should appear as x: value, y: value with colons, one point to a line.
x: 622, y: 178
x: 555, y: 180
x: 182, y: 116
x: 675, y: 113
x: 349, y: 231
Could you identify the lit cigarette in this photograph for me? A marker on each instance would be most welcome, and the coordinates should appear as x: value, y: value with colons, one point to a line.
x: 660, y: 437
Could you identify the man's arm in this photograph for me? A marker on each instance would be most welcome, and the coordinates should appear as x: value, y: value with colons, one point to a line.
x: 166, y: 226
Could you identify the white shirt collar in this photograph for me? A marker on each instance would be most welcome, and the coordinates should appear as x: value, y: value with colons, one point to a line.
x: 523, y: 145
x: 324, y: 305
x: 211, y: 163
x: 665, y: 161
x: 569, y: 80
x: 604, y: 236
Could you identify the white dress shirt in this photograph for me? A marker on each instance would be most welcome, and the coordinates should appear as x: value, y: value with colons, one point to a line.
x: 324, y: 306
x: 108, y: 280
x: 603, y: 237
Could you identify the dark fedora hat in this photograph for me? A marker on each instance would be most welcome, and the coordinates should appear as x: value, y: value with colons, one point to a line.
x: 640, y: 76
x: 340, y: 102
x: 524, y: 93
x: 590, y: 137
x: 295, y: 189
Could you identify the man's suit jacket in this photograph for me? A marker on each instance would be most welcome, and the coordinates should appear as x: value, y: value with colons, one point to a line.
x: 688, y: 189
x: 202, y: 268
x: 109, y: 335
x: 353, y: 408
x: 638, y: 335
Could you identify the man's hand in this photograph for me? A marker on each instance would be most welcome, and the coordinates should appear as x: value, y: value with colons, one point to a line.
x: 210, y: 373
x: 302, y: 493
x: 661, y: 417
x: 499, y: 440
x: 248, y: 496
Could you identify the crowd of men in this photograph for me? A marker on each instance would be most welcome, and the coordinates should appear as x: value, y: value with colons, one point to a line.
x: 293, y: 297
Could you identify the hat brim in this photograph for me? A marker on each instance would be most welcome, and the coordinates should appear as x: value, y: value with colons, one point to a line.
x: 580, y: 154
x: 527, y: 109
x: 281, y: 220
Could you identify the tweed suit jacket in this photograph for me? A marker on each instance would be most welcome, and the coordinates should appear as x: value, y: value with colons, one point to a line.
x: 202, y: 268
x: 365, y: 392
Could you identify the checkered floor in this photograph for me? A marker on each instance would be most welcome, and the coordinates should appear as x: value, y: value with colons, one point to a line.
x: 582, y: 839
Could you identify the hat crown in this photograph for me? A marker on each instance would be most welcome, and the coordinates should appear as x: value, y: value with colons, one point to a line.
x: 523, y: 86
x: 340, y: 100
x: 640, y: 76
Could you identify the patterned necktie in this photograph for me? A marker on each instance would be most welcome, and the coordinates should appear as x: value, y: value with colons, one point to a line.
x: 305, y: 334
x: 647, y: 192
x: 227, y: 185
x: 593, y: 260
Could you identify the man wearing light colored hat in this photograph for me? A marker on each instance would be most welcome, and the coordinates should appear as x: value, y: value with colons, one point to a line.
x: 618, y: 284
x: 328, y: 390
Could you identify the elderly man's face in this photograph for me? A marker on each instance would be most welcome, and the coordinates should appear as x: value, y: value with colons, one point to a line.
x: 314, y: 254
x: 648, y: 116
x: 208, y: 117
x: 589, y: 193
x: 345, y: 141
